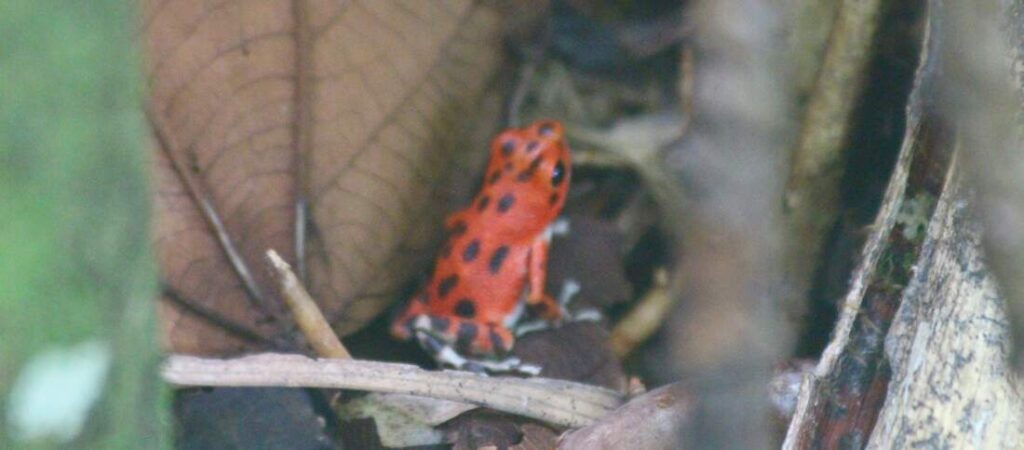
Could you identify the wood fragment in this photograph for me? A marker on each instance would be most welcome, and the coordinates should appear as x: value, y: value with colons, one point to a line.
x: 645, y: 318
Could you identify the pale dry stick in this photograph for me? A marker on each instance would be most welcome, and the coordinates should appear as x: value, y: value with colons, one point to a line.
x: 305, y: 312
x: 645, y: 318
x: 812, y: 191
x: 557, y: 402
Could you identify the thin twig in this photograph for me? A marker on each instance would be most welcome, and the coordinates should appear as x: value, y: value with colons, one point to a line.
x: 302, y: 136
x: 215, y: 318
x: 199, y: 194
x: 557, y: 402
x: 305, y: 311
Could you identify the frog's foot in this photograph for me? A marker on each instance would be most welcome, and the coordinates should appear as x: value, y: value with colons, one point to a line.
x: 569, y: 289
x: 448, y: 348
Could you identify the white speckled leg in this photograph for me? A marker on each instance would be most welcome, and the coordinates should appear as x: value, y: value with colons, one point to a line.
x: 446, y: 355
x: 560, y: 227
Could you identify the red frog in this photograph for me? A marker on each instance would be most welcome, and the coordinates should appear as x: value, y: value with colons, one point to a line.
x: 495, y: 256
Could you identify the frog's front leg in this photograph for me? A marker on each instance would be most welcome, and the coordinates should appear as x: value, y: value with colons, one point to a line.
x: 539, y: 302
x: 448, y: 341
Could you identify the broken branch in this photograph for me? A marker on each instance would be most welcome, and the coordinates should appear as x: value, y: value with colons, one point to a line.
x: 556, y: 402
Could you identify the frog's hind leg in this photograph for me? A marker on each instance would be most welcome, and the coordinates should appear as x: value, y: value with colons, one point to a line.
x: 402, y: 324
x: 445, y: 346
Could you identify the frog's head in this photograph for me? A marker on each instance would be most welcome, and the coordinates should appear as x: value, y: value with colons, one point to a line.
x: 528, y: 175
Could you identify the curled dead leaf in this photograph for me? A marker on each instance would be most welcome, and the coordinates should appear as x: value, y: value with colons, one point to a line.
x: 324, y: 130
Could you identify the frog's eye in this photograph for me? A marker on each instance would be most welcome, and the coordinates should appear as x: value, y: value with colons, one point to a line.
x: 546, y: 129
x: 558, y: 174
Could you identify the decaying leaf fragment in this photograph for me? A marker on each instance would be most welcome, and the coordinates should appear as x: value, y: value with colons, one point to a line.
x: 325, y: 130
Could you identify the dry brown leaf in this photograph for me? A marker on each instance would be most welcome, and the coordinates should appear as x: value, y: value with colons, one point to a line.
x: 357, y: 108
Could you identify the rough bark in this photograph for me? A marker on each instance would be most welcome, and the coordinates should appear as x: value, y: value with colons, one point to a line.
x: 984, y: 92
x: 950, y: 385
x: 942, y: 380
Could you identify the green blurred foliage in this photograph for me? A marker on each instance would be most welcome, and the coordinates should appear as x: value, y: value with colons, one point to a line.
x: 75, y: 262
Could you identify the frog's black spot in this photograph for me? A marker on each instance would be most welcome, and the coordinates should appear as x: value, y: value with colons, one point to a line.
x: 558, y: 174
x: 528, y: 172
x: 465, y: 308
x: 446, y: 285
x: 471, y: 250
x: 505, y: 202
x: 457, y: 229
x: 439, y: 324
x: 497, y: 258
x: 482, y: 204
x: 494, y: 177
x: 531, y: 146
x: 534, y: 164
x: 465, y: 336
x: 547, y: 129
x: 508, y: 166
x: 553, y: 199
x: 497, y: 343
x: 507, y: 147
